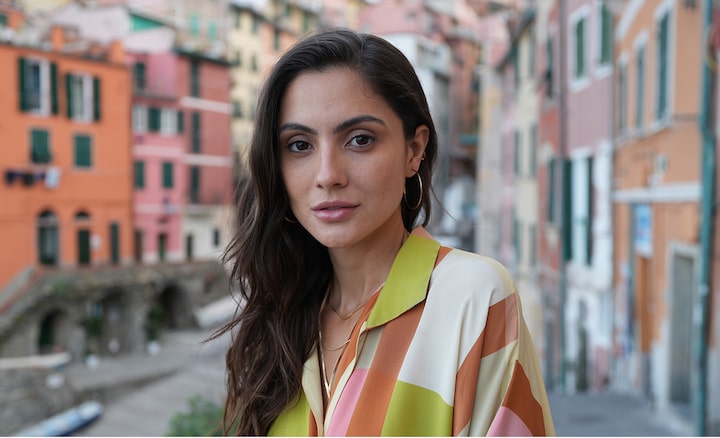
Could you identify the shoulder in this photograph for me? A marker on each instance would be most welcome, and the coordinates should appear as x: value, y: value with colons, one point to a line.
x: 465, y: 275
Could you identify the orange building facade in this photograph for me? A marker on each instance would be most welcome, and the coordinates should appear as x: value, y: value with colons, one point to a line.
x: 656, y: 200
x: 66, y: 161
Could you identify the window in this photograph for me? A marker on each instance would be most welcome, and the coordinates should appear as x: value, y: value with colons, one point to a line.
x: 168, y: 121
x: 605, y: 35
x: 167, y: 175
x: 517, y: 238
x: 549, y: 76
x: 276, y: 40
x: 162, y: 246
x: 255, y: 24
x: 579, y: 67
x: 567, y: 209
x: 140, y: 119
x: 138, y: 246
x: 216, y: 237
x: 516, y: 65
x: 37, y: 86
x: 40, y: 146
x: 195, y: 78
x: 139, y: 79
x: 531, y: 48
x: 212, y: 30
x: 237, y: 109
x: 640, y: 87
x: 48, y: 247
x: 114, y: 243
x: 83, y: 97
x: 139, y: 174
x: 195, y: 142
x: 83, y: 151
x: 194, y: 193
x: 622, y: 99
x: 194, y: 24
x: 3, y: 20
x: 253, y: 63
x: 238, y: 19
x: 238, y: 59
x: 663, y: 66
x: 589, y: 211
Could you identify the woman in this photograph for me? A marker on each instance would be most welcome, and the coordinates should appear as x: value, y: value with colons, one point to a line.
x: 355, y: 321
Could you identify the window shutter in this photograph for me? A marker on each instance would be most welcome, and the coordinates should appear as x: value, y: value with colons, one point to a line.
x: 69, y: 95
x: 22, y: 92
x: 83, y: 152
x: 40, y: 147
x: 194, y: 194
x: 663, y: 67
x: 195, y: 145
x: 154, y: 119
x: 180, y: 122
x: 167, y: 175
x: 53, y: 88
x: 589, y: 221
x: 567, y: 209
x: 96, y: 99
x: 139, y: 174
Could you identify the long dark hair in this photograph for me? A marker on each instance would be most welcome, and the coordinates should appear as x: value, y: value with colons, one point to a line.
x: 280, y: 270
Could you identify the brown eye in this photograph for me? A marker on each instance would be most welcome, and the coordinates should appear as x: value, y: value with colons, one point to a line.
x: 361, y: 141
x: 299, y: 146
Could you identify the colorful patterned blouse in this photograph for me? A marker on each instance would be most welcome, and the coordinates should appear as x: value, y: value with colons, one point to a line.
x: 443, y: 349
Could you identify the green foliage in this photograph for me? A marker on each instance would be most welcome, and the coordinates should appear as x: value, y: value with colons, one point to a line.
x: 204, y: 419
x: 153, y: 321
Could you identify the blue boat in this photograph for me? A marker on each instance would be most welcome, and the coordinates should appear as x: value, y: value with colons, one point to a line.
x: 66, y: 422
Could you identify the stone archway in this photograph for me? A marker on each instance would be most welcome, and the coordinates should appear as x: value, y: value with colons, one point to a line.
x: 53, y: 332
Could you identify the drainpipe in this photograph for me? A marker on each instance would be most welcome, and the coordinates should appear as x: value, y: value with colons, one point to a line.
x: 562, y: 137
x: 707, y: 200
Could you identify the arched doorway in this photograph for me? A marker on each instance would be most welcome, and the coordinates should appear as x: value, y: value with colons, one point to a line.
x: 52, y: 333
x: 48, y: 245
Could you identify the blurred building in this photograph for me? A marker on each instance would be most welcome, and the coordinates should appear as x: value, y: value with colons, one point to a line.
x: 441, y: 41
x: 67, y: 167
x: 181, y: 116
x: 656, y: 199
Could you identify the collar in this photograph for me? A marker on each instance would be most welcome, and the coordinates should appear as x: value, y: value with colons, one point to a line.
x: 408, y: 280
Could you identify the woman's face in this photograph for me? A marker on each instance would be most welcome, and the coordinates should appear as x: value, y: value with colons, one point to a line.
x: 344, y: 158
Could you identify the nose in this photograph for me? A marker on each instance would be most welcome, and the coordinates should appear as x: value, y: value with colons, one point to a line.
x: 331, y: 171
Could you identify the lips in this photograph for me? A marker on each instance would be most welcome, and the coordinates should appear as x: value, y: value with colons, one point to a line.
x: 334, y: 211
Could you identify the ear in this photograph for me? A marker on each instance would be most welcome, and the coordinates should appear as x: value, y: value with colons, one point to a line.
x: 416, y: 150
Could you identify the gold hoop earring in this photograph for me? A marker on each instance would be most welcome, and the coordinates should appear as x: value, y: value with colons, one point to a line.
x: 419, y: 202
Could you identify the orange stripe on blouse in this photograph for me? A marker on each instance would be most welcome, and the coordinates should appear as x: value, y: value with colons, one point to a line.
x: 383, y: 373
x: 501, y: 327
x: 519, y: 399
x: 466, y: 386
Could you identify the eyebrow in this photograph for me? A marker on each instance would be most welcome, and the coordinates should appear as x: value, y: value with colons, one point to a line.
x: 339, y: 128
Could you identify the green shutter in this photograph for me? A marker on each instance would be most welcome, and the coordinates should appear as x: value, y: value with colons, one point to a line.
x: 589, y: 221
x: 83, y: 151
x: 83, y: 247
x: 154, y: 119
x: 567, y: 210
x: 180, y: 122
x: 53, y: 88
x: 139, y: 174
x: 194, y: 194
x: 517, y: 152
x: 69, y: 95
x: 114, y: 242
x: 195, y: 78
x: 640, y: 88
x: 139, y: 75
x: 580, y: 48
x: 167, y: 175
x: 606, y: 34
x: 96, y: 99
x: 22, y: 88
x: 196, y: 133
x: 40, y: 146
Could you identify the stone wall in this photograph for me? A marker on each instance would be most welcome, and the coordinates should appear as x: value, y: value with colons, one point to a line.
x: 31, y: 395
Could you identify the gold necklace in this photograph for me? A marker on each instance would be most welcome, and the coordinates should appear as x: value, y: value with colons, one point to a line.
x: 323, y: 370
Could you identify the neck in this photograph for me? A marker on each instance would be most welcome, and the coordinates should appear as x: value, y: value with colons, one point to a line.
x: 360, y: 271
